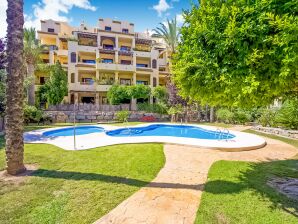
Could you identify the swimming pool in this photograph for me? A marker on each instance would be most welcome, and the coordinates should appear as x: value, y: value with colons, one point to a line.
x: 98, y: 135
x: 185, y: 131
x: 80, y: 130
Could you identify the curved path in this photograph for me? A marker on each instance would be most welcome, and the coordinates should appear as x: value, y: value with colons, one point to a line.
x: 174, y: 195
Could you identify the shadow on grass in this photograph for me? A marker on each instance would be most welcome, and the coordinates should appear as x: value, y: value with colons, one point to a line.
x: 256, y: 178
x: 68, y: 175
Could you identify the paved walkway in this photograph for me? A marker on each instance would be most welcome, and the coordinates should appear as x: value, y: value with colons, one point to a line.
x: 174, y: 195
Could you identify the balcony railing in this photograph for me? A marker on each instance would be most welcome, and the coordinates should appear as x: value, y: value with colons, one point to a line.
x: 87, y: 61
x: 50, y: 47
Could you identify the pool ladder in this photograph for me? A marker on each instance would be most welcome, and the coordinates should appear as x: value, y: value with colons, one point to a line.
x: 221, y: 133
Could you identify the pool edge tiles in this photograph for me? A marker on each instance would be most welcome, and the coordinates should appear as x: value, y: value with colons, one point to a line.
x: 241, y: 141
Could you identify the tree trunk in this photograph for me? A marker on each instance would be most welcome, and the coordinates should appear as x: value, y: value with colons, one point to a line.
x: 14, y: 92
x: 31, y: 88
x: 211, y: 114
x: 206, y: 114
x: 199, y: 113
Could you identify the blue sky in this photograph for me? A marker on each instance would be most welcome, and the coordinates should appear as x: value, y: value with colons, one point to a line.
x: 145, y: 14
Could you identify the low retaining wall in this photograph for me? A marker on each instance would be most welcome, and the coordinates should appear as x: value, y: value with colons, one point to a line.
x: 88, y: 107
x: 98, y: 116
x: 278, y: 131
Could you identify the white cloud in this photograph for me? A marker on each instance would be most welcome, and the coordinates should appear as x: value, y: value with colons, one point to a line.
x: 45, y: 9
x: 3, y: 24
x: 161, y: 7
x: 54, y: 9
x: 180, y: 19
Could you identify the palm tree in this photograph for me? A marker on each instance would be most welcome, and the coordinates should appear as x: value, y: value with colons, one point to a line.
x: 14, y: 92
x: 32, y: 51
x: 169, y: 33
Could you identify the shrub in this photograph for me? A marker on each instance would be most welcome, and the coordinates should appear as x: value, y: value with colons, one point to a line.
x: 122, y: 116
x: 225, y: 115
x: 159, y: 108
x: 241, y: 116
x: 268, y: 117
x: 32, y: 114
x: 287, y: 116
x: 148, y: 119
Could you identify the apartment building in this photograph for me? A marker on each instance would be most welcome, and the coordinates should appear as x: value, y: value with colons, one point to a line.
x: 96, y: 58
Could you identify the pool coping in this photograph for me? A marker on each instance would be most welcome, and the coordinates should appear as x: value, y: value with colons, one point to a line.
x: 241, y: 142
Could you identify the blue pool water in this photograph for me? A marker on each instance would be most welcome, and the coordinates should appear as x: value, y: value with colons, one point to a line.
x: 80, y: 130
x: 169, y: 130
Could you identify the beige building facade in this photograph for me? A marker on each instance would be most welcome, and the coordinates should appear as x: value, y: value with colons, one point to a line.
x: 98, y: 57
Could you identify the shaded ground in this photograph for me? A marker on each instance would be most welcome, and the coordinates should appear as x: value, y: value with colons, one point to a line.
x: 76, y: 186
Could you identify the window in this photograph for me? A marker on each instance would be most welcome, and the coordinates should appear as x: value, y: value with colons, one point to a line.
x: 124, y: 48
x: 51, y: 30
x: 126, y: 82
x: 124, y: 30
x: 140, y: 82
x: 142, y: 65
x: 88, y: 61
x: 154, y: 63
x: 108, y: 47
x: 73, y: 57
x: 107, y: 60
x: 125, y: 62
x: 72, y: 77
x: 87, y: 81
x: 108, y: 28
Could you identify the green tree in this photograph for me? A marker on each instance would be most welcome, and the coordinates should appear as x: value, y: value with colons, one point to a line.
x: 117, y: 94
x: 56, y: 86
x: 238, y: 53
x: 169, y: 33
x: 32, y: 51
x: 138, y: 91
x: 160, y: 93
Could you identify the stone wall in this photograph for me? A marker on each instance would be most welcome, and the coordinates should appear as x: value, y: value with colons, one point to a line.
x: 98, y: 116
x: 278, y: 131
x: 88, y: 107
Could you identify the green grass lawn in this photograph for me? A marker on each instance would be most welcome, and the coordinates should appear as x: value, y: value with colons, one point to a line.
x: 236, y: 192
x: 76, y: 186
x: 290, y: 141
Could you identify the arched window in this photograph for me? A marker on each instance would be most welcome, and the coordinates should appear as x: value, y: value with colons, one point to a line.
x: 154, y: 82
x: 73, y: 57
x: 154, y: 63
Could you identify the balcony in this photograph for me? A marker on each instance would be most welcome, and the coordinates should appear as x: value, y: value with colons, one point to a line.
x: 106, y: 66
x: 87, y: 87
x: 108, y: 49
x: 123, y: 67
x: 143, y: 54
x: 62, y: 52
x: 115, y: 67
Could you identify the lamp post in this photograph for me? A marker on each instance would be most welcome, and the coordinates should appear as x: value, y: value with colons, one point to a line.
x: 74, y: 125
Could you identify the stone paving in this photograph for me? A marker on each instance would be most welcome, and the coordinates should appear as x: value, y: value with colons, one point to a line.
x: 174, y: 195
